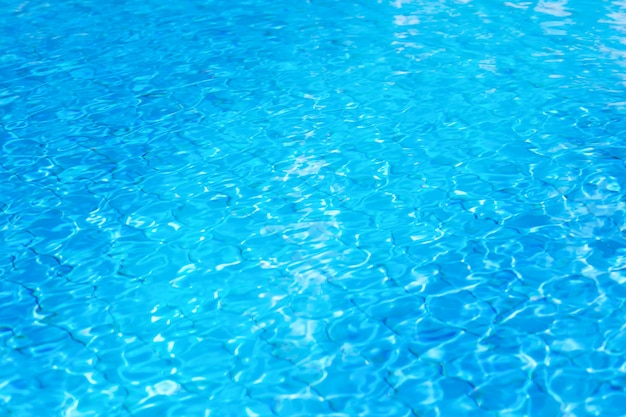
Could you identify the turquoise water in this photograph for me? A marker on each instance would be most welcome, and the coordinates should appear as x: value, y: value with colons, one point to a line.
x: 307, y: 208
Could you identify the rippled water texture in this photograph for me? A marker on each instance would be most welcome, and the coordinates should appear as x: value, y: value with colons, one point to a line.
x: 301, y: 208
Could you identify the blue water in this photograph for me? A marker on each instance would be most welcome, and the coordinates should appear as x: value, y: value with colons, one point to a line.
x: 313, y: 208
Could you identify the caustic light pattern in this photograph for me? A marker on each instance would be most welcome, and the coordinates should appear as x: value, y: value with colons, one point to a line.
x: 312, y: 208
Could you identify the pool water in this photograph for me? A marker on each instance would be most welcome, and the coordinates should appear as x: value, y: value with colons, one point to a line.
x: 313, y: 208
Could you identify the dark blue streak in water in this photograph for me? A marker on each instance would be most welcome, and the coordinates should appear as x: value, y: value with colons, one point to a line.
x: 301, y: 208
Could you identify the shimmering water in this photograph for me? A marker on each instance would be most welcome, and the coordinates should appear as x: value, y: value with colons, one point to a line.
x: 300, y: 208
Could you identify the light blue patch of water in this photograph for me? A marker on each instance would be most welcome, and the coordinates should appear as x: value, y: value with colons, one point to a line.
x: 312, y: 208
